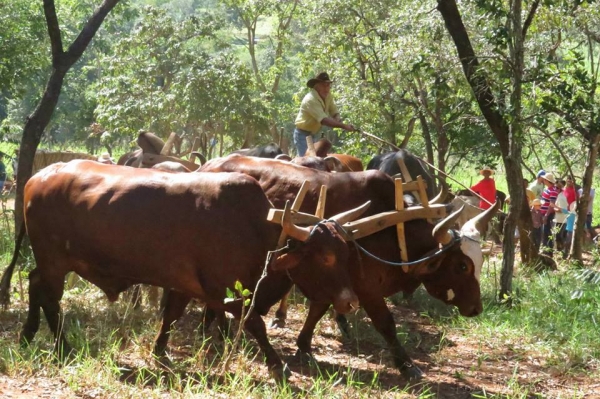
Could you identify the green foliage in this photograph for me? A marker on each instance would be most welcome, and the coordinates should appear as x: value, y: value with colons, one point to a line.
x: 174, y: 76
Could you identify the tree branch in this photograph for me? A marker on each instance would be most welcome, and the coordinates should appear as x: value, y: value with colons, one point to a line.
x: 530, y: 16
x: 89, y: 30
x: 53, y: 31
x: 474, y: 73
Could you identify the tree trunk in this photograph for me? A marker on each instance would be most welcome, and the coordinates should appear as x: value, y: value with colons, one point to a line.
x: 32, y: 135
x: 508, y: 137
x: 583, y: 202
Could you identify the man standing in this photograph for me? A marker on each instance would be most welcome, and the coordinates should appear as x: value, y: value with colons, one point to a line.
x: 537, y: 186
x: 317, y: 109
x: 486, y: 188
x: 548, y: 201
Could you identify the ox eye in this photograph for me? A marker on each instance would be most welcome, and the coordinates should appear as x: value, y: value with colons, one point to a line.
x: 463, y: 267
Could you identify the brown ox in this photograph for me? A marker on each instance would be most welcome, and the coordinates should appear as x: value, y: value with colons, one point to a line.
x: 93, y: 219
x: 348, y: 163
x: 451, y: 276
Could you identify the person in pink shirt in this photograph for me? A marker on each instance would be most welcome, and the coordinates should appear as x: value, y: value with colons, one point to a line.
x: 486, y: 188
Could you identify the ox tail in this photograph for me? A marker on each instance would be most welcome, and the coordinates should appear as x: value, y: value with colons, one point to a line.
x: 7, y: 276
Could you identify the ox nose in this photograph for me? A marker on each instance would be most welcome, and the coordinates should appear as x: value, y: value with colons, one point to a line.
x: 346, y: 302
x: 475, y: 311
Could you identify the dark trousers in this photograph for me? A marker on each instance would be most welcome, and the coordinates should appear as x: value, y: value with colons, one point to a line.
x: 547, y: 239
x: 536, y: 237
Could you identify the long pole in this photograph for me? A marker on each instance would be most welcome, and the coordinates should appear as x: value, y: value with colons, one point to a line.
x: 372, y: 136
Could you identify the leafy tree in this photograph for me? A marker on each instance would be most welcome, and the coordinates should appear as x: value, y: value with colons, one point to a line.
x: 171, y: 75
x: 569, y: 91
x: 503, y: 109
x: 62, y: 61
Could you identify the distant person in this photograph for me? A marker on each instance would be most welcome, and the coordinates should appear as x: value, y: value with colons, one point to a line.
x: 486, y: 188
x: 15, y: 164
x: 590, y: 212
x: 528, y: 193
x: 569, y: 190
x: 317, y: 109
x: 538, y: 221
x: 570, y: 227
x: 548, y: 201
x: 537, y: 186
x: 561, y: 209
x: 2, y: 172
x: 105, y: 158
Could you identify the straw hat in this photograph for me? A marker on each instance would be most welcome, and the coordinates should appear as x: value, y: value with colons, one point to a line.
x: 536, y: 201
x: 549, y: 177
x: 486, y: 169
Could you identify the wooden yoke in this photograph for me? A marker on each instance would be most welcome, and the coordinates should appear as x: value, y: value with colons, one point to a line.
x: 400, y: 226
x: 276, y: 214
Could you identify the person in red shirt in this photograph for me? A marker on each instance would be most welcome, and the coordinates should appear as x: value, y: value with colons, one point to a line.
x: 569, y: 190
x: 486, y: 188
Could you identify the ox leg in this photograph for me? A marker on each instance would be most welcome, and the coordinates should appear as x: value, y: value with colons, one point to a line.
x: 32, y: 324
x: 174, y: 307
x: 209, y: 316
x: 45, y: 294
x: 384, y: 323
x: 281, y: 312
x: 256, y: 326
x: 316, y: 312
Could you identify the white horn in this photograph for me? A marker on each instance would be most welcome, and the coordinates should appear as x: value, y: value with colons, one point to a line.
x: 440, y: 231
x: 299, y: 233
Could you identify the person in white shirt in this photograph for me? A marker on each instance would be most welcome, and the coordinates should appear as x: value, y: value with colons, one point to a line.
x: 561, y: 207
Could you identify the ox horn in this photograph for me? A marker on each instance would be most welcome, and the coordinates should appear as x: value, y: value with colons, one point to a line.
x: 438, y: 199
x: 480, y: 222
x: 352, y: 214
x: 297, y: 232
x: 440, y: 231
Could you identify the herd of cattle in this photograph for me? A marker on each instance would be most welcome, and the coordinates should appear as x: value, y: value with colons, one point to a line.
x: 196, y: 234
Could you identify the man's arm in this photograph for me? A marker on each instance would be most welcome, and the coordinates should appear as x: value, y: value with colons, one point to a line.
x: 331, y: 122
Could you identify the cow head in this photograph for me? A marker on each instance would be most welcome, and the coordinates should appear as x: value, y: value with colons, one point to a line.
x: 453, y: 277
x: 318, y: 263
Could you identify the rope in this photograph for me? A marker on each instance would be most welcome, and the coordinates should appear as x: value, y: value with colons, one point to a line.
x: 457, y: 239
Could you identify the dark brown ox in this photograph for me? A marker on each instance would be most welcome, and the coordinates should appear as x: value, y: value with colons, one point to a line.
x: 451, y: 276
x: 93, y: 219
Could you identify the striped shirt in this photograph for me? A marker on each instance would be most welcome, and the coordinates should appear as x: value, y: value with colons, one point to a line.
x: 549, y: 196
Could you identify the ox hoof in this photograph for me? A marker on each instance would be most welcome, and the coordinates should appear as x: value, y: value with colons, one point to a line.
x: 163, y: 361
x: 281, y: 374
x: 305, y: 357
x: 343, y: 326
x: 411, y: 372
x: 278, y: 323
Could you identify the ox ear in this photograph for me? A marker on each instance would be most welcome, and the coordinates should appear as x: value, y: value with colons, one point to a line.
x: 334, y: 164
x: 286, y: 261
x: 480, y: 222
x: 352, y: 214
x: 440, y: 231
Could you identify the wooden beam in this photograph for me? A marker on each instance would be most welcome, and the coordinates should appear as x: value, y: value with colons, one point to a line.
x: 166, y: 150
x: 400, y: 226
x: 320, y: 212
x: 372, y: 224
